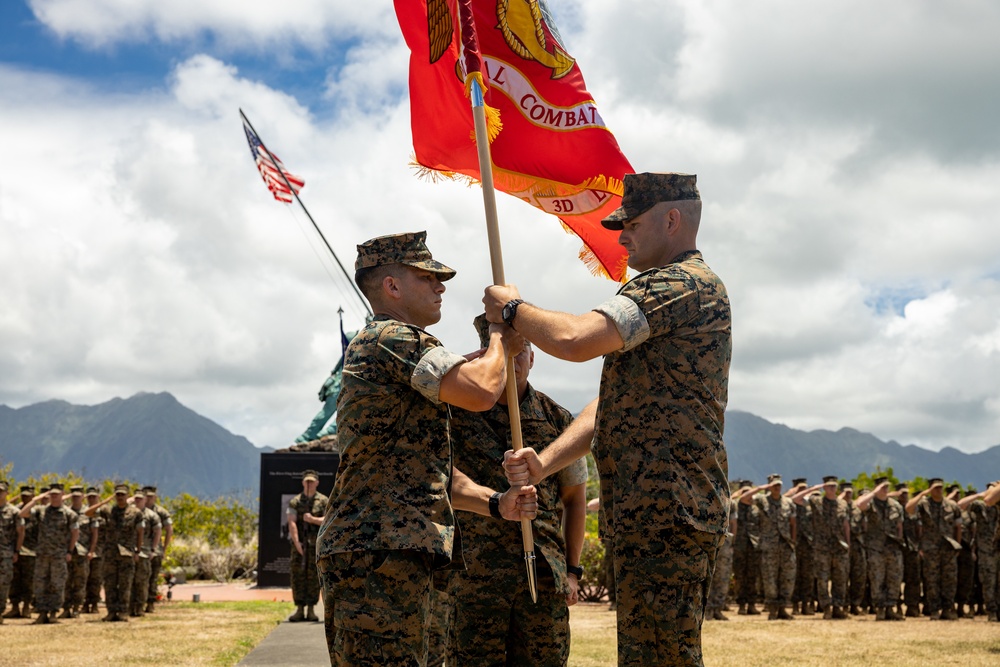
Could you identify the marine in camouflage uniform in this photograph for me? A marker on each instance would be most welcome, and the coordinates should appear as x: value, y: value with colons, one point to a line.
x: 494, y: 621
x: 666, y: 339
x: 804, y: 593
x: 160, y: 549
x: 152, y: 530
x: 987, y: 523
x: 122, y: 526
x: 390, y: 523
x: 941, y: 526
x: 305, y: 515
x: 831, y: 555
x: 858, y: 567
x: 22, y: 585
x: 723, y: 575
x: 911, y: 555
x: 79, y: 566
x: 777, y: 548
x: 11, y: 534
x: 95, y: 577
x: 746, y: 551
x: 58, y: 529
x: 884, y: 546
x: 966, y: 563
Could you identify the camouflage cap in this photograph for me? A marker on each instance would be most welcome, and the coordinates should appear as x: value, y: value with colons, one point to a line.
x: 880, y: 480
x: 92, y: 491
x: 45, y: 488
x: 149, y: 489
x: 121, y: 488
x: 846, y: 486
x: 798, y: 480
x: 902, y: 487
x: 310, y: 474
x: 954, y: 487
x: 830, y: 479
x: 774, y: 478
x: 935, y: 481
x: 3, y: 485
x: 56, y: 486
x: 76, y: 490
x: 409, y: 249
x: 27, y: 490
x: 644, y: 191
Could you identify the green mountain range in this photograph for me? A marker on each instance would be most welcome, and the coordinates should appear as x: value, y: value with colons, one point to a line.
x: 153, y: 439
x: 148, y: 439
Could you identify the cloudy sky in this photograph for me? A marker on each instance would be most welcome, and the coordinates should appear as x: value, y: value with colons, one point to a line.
x: 848, y: 155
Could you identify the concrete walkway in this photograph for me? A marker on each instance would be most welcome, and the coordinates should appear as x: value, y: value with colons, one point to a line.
x: 292, y: 645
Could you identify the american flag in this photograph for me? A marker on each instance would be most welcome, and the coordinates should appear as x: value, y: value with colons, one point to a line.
x: 271, y: 168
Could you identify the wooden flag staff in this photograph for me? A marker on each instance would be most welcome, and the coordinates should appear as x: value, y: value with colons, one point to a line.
x: 496, y: 261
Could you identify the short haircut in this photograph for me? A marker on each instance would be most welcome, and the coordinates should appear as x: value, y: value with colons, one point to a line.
x: 369, y: 280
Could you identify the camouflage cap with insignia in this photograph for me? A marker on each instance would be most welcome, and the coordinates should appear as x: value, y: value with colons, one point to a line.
x: 644, y: 191
x: 409, y: 249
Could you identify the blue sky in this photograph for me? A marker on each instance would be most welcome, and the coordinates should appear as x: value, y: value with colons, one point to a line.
x: 848, y: 167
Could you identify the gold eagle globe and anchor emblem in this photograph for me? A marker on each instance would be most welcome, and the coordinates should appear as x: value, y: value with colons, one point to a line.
x: 523, y: 27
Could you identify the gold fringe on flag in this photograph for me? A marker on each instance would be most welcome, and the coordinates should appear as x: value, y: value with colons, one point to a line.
x: 514, y: 182
x: 493, y: 123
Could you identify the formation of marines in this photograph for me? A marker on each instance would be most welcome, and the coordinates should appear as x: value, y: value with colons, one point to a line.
x: 56, y: 553
x: 935, y: 553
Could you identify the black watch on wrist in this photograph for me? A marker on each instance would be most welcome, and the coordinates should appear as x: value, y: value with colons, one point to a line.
x: 509, y: 311
x: 495, y: 505
x: 575, y: 570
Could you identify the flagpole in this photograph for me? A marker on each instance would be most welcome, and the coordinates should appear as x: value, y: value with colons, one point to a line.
x: 295, y: 194
x: 496, y: 261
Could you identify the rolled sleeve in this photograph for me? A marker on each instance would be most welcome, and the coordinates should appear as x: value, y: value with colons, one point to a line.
x: 573, y: 474
x: 431, y: 369
x: 628, y: 318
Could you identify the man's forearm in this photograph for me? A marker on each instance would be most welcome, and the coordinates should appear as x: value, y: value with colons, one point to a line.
x: 575, y: 523
x: 572, y: 444
x: 468, y: 496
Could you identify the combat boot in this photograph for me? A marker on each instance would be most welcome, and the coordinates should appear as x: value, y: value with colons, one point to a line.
x: 935, y: 616
x: 66, y: 613
x: 949, y: 614
x: 899, y: 609
x: 808, y: 609
x: 110, y: 616
x: 742, y: 611
x: 838, y: 613
x: 912, y: 611
x: 719, y: 616
x: 783, y: 614
x: 854, y: 610
x: 894, y: 615
x: 796, y: 608
x: 43, y: 618
x: 772, y: 612
x: 298, y: 616
x: 149, y: 607
x: 880, y: 614
x: 311, y: 615
x: 992, y: 617
x: 752, y: 609
x: 961, y: 612
x: 13, y: 612
x: 828, y: 612
x: 980, y: 609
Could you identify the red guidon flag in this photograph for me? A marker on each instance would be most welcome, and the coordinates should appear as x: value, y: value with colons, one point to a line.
x: 550, y: 146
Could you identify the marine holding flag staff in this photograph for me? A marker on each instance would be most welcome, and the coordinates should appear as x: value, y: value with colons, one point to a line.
x: 657, y: 423
x: 390, y: 522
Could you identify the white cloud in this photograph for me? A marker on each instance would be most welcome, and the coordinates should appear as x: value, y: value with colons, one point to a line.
x: 240, y: 25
